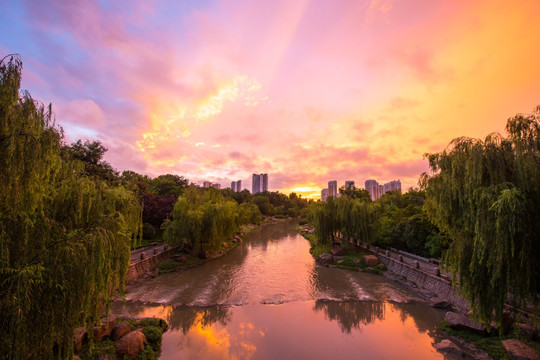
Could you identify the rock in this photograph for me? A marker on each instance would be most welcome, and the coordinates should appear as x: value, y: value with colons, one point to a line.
x: 325, y: 258
x: 79, y: 337
x: 507, y: 324
x: 236, y: 239
x: 180, y: 258
x: 339, y: 261
x: 371, y: 260
x: 76, y: 357
x: 461, y: 322
x: 356, y: 260
x: 520, y: 351
x: 203, y: 254
x: 448, y: 347
x: 527, y: 331
x: 120, y: 330
x: 224, y: 244
x: 105, y: 328
x: 130, y: 344
x: 338, y: 251
x: 439, y: 303
x: 381, y: 266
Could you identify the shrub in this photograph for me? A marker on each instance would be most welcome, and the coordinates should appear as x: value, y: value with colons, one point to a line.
x: 153, y: 335
x: 149, y: 232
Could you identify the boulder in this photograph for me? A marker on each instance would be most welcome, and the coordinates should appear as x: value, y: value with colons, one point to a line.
x: 439, y: 303
x: 236, y: 239
x: 105, y: 328
x: 371, y: 260
x: 506, y: 325
x: 76, y: 357
x: 180, y: 258
x: 381, y: 266
x: 461, y: 322
x: 224, y: 244
x: 520, y: 351
x: 130, y: 344
x: 325, y: 258
x: 448, y: 347
x: 203, y: 254
x: 338, y: 251
x: 120, y: 330
x: 79, y: 337
x: 527, y: 331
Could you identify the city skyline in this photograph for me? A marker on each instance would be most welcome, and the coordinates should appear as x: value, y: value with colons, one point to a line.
x: 212, y: 90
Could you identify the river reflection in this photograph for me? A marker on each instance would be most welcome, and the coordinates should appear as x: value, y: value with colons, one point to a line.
x: 267, y: 299
x: 296, y: 330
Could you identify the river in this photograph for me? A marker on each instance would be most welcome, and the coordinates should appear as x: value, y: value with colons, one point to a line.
x: 267, y: 299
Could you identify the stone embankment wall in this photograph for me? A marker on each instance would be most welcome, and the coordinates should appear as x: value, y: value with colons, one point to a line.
x: 430, y: 282
x: 139, y: 268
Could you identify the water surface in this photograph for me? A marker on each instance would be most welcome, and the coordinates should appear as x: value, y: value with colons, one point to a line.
x: 266, y: 299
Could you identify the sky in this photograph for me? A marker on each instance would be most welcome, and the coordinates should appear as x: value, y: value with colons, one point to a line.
x: 306, y: 91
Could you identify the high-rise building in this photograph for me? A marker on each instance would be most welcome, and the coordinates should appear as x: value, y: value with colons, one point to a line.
x: 259, y: 183
x: 239, y: 186
x: 264, y: 182
x: 255, y: 183
x: 216, y: 186
x: 349, y: 184
x: 376, y: 191
x: 207, y: 184
x: 233, y: 186
x: 332, y: 188
x: 372, y: 187
x: 324, y: 194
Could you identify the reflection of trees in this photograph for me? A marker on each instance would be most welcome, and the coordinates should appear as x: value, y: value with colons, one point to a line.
x: 186, y: 317
x: 350, y: 314
x: 270, y: 233
x: 422, y: 315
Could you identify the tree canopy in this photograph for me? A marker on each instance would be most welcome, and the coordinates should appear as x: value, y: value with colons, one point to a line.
x: 486, y: 195
x: 64, y: 236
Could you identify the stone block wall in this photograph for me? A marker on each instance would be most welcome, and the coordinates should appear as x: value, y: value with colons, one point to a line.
x: 425, y: 280
x: 138, y: 269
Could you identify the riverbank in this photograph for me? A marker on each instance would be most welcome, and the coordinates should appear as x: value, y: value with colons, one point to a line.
x: 184, y: 259
x: 347, y: 259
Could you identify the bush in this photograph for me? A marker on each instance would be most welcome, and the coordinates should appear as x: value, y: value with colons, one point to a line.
x: 153, y: 335
x: 149, y: 232
x: 167, y: 266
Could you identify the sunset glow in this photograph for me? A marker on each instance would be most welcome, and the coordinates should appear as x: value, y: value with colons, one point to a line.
x: 306, y: 91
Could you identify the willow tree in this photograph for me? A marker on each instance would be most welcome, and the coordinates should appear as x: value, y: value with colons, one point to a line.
x: 64, y: 238
x: 203, y: 217
x: 486, y: 196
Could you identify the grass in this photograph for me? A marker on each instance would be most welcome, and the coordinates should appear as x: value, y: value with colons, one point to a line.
x: 147, y: 242
x: 492, y: 343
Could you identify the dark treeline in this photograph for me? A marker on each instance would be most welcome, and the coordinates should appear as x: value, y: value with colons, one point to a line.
x: 394, y: 220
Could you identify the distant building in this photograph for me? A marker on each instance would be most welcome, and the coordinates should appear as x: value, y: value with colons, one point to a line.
x: 216, y: 186
x: 239, y: 186
x: 233, y: 186
x: 264, y: 182
x: 259, y: 183
x: 207, y: 184
x: 376, y: 191
x: 332, y: 188
x: 349, y: 184
x: 324, y: 194
x: 372, y: 187
x: 255, y: 183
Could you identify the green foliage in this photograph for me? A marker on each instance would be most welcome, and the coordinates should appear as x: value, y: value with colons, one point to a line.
x: 64, y: 236
x: 485, y: 195
x: 167, y: 185
x: 149, y: 232
x: 153, y: 335
x: 91, y: 155
x: 203, y: 218
x: 167, y: 266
